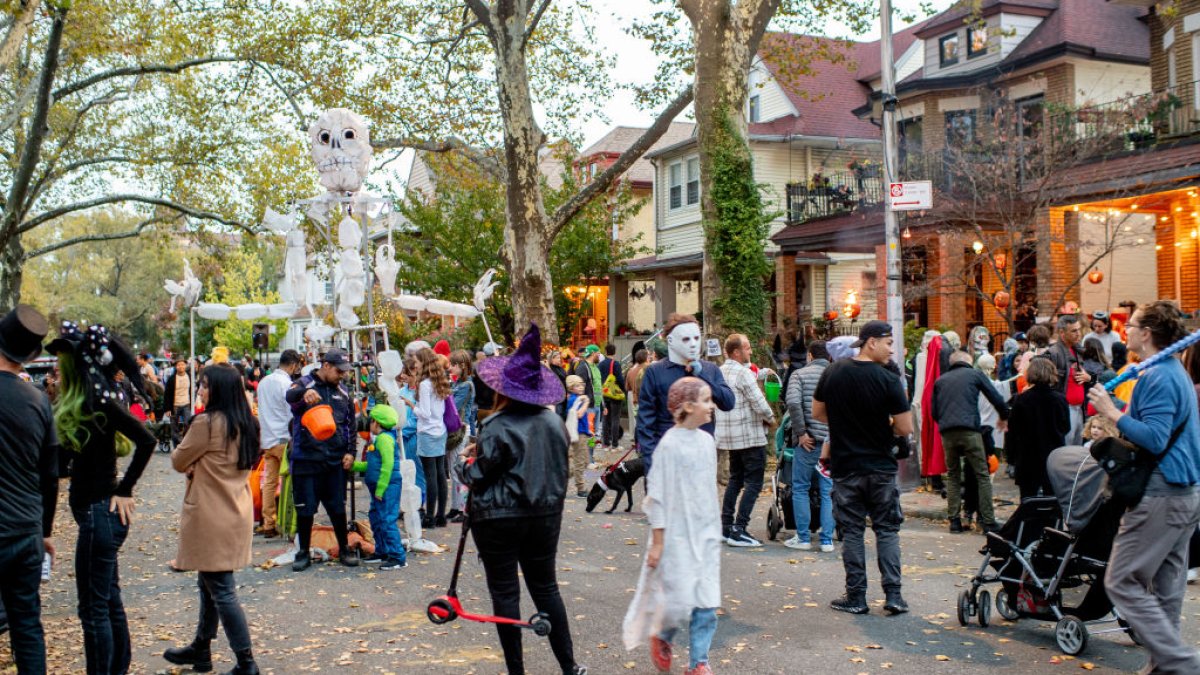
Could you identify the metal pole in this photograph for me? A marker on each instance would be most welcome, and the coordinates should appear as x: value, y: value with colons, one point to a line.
x: 891, y: 165
x: 192, y: 359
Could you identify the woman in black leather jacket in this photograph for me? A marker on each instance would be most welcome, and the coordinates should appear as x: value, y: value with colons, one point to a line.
x: 517, y: 474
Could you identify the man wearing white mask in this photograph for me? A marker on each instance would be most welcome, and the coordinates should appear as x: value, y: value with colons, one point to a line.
x: 682, y: 333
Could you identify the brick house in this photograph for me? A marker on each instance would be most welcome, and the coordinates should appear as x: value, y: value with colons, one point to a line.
x: 1044, y: 57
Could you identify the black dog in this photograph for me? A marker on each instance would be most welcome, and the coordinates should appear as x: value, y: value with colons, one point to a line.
x: 622, y: 479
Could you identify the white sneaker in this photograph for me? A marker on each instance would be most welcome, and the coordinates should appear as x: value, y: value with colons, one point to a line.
x: 794, y: 542
x: 826, y: 548
x: 1193, y: 574
x: 740, y: 539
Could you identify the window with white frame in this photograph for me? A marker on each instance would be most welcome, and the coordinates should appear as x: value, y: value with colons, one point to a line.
x: 693, y: 181
x: 675, y: 174
x: 1195, y: 76
x: 755, y: 108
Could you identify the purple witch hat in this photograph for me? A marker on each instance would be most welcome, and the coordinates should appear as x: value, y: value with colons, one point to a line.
x: 522, y: 377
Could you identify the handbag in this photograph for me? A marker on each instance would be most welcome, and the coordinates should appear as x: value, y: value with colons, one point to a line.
x: 1129, y: 466
x: 450, y: 416
x: 611, y: 390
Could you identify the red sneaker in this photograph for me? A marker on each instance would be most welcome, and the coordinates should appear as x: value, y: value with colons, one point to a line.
x: 660, y: 654
x: 701, y: 669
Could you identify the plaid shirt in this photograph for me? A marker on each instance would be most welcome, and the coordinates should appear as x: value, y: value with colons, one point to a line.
x: 742, y: 427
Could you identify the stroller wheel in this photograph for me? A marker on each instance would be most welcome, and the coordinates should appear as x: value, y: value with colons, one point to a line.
x: 985, y: 608
x: 1071, y: 634
x: 1137, y: 640
x: 439, y: 611
x: 541, y: 624
x: 773, y: 524
x: 1006, y: 610
x: 965, y: 609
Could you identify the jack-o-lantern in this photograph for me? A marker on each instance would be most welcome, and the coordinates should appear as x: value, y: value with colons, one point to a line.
x: 1001, y: 299
x: 831, y: 315
x: 852, y: 311
x: 1095, y: 276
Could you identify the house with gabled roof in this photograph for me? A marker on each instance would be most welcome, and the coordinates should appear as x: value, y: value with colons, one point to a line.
x: 1046, y: 57
x: 804, y: 139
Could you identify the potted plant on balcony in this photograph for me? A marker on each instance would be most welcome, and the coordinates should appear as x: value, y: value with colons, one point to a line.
x: 626, y: 328
x: 864, y: 168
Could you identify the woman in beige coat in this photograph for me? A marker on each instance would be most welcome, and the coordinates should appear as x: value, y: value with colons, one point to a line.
x: 217, y: 523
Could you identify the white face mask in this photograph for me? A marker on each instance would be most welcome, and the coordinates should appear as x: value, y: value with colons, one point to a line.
x: 683, y: 344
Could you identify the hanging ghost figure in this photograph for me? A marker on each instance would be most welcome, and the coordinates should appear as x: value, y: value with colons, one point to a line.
x: 187, y: 289
x: 294, y: 267
x: 386, y: 269
x: 341, y: 149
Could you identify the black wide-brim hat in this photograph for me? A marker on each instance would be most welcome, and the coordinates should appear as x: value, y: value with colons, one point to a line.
x: 522, y: 377
x: 21, y: 333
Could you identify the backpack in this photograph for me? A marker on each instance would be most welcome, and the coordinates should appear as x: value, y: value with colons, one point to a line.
x: 611, y: 390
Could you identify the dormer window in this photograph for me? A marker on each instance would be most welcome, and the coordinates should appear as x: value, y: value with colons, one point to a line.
x: 948, y: 50
x: 755, y: 105
x: 977, y: 41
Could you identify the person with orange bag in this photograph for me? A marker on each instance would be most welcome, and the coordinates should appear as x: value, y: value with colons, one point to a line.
x: 315, y: 457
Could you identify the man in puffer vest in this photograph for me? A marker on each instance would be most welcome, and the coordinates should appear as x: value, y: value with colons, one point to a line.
x: 382, y: 478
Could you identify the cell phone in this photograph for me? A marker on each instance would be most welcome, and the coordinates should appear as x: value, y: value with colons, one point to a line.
x: 47, y: 565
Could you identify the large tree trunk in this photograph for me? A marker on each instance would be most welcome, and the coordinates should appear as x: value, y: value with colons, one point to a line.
x: 526, y: 237
x: 726, y: 40
x: 10, y: 274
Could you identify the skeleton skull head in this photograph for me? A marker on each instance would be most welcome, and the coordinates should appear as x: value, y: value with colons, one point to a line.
x: 341, y: 149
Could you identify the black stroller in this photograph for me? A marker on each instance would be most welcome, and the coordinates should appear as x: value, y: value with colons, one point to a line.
x: 1052, y: 545
x: 782, y: 515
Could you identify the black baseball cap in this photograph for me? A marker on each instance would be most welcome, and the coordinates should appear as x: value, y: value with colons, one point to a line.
x: 1021, y: 337
x: 337, y: 357
x: 872, y: 329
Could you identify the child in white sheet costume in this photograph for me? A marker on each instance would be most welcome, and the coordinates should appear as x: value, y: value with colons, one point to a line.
x: 681, y: 577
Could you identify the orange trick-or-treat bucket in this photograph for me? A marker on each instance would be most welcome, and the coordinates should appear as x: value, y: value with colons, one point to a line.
x: 319, y: 422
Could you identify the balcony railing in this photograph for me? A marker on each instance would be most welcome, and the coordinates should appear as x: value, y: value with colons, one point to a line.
x: 827, y: 194
x: 1131, y: 123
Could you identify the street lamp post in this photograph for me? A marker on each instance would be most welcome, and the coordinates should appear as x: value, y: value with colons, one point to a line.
x: 891, y: 161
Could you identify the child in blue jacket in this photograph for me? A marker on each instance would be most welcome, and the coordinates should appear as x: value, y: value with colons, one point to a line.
x: 382, y: 477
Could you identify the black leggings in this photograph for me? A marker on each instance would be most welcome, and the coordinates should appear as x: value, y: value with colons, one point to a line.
x: 532, y: 543
x: 219, y: 605
x: 437, y: 491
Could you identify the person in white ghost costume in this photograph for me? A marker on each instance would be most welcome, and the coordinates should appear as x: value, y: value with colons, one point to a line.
x: 680, y: 581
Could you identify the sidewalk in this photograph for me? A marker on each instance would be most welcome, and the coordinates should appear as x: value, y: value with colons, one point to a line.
x: 931, y: 506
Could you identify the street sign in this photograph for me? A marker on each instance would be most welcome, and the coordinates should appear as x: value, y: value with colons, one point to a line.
x: 911, y: 196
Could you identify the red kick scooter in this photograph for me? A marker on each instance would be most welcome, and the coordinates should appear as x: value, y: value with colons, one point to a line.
x: 448, y: 607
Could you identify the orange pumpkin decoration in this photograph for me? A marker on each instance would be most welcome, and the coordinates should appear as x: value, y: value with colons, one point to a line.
x: 1095, y: 276
x: 852, y: 311
x: 1001, y: 299
x: 831, y: 315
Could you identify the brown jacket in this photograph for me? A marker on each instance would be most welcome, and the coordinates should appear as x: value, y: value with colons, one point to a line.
x: 217, y: 524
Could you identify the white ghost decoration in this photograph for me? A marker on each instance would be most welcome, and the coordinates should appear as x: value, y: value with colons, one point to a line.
x: 351, y: 264
x: 353, y: 292
x: 341, y: 149
x: 345, y: 316
x: 294, y: 267
x: 484, y: 289
x: 386, y: 269
x: 279, y: 223
x: 319, y: 332
x: 187, y: 289
x: 349, y: 233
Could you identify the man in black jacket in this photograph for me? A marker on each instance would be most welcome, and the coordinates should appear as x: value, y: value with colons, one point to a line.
x: 611, y: 432
x: 956, y: 410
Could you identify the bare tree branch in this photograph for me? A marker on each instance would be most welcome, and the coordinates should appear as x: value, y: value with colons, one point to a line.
x: 47, y: 216
x: 16, y: 32
x: 452, y: 144
x: 38, y: 128
x: 142, y: 226
x: 146, y: 69
x: 533, y: 23
x: 300, y: 118
x: 635, y: 151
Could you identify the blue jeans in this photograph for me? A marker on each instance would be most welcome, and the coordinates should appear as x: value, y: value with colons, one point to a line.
x: 97, y: 582
x: 804, y: 471
x: 384, y: 515
x: 20, y: 579
x: 700, y: 633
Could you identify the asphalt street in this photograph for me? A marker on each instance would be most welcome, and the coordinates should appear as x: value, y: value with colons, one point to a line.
x: 775, y: 617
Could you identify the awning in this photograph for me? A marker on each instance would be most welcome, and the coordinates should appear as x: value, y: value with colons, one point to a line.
x: 653, y: 264
x: 859, y: 231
